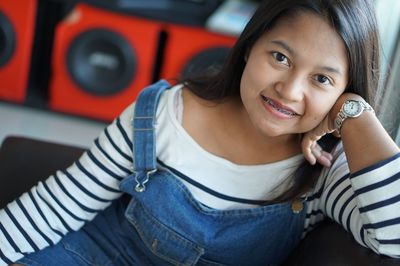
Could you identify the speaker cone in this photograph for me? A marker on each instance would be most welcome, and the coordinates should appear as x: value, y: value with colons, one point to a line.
x: 101, y: 61
x: 7, y: 39
x: 206, y: 62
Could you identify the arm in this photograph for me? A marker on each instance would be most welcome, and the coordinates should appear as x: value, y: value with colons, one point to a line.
x: 364, y: 139
x: 69, y: 198
x: 365, y: 202
x: 362, y: 187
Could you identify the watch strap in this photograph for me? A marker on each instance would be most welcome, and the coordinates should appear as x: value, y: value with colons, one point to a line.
x: 342, y: 116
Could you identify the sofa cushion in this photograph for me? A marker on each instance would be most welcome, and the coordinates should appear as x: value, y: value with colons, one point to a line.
x: 24, y: 162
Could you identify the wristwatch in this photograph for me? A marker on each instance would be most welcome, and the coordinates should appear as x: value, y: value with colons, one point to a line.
x: 351, y: 109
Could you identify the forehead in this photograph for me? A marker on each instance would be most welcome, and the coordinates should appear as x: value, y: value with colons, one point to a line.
x: 308, y: 35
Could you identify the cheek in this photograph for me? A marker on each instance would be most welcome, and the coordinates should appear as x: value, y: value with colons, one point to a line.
x: 319, y: 109
x: 322, y: 110
x: 249, y: 83
x: 314, y: 120
x: 257, y: 70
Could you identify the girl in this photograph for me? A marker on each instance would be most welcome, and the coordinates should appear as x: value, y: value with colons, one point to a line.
x: 229, y: 169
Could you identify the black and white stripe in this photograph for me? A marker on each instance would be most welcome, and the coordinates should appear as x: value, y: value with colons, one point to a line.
x: 366, y: 203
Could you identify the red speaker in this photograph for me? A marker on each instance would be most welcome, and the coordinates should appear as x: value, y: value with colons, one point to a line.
x: 17, y: 25
x: 193, y: 51
x: 101, y: 60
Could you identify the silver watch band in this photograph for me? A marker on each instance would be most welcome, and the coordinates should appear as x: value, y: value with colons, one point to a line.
x: 341, y: 116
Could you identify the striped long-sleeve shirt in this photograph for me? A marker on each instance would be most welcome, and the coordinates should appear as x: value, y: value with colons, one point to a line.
x: 366, y: 203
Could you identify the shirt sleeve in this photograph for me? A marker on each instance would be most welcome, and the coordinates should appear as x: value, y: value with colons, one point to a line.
x: 366, y: 203
x: 69, y: 198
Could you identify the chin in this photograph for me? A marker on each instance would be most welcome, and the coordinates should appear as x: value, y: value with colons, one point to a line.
x: 274, y: 132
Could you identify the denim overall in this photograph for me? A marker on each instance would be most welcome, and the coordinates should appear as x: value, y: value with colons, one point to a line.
x: 158, y: 222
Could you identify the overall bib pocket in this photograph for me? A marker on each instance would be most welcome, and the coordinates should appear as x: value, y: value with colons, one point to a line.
x: 161, y: 240
x: 84, y: 248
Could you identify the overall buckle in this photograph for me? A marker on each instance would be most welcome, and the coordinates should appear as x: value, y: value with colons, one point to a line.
x: 140, y: 181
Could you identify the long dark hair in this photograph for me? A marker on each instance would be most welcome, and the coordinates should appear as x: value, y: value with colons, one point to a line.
x: 353, y: 20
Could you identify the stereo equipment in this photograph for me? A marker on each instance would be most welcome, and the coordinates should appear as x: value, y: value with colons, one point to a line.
x: 101, y: 60
x: 17, y: 26
x: 192, y: 51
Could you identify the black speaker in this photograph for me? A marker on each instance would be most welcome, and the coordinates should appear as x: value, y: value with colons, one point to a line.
x: 205, y: 52
x: 17, y: 27
x: 101, y: 61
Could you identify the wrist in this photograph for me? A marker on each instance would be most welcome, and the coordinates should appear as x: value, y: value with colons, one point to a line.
x: 349, y: 106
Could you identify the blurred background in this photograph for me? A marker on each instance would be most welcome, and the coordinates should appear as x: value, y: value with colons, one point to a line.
x: 67, y: 68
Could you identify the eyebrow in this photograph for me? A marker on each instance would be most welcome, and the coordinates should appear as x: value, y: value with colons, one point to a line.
x: 284, y: 46
x: 332, y: 70
x: 290, y: 50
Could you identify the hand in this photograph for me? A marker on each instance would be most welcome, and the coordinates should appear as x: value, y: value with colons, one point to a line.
x: 312, y: 151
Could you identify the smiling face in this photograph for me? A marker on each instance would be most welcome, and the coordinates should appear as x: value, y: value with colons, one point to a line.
x: 293, y: 75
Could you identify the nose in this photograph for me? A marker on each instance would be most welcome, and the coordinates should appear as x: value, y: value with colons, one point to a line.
x: 290, y: 88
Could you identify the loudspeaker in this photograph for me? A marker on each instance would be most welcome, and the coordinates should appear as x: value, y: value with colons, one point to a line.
x: 101, y: 60
x: 17, y: 26
x: 191, y: 51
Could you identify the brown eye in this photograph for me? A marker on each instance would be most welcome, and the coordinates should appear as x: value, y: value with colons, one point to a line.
x: 323, y: 79
x: 280, y: 58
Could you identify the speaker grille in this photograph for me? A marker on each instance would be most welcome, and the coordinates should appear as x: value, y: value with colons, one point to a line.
x: 101, y: 61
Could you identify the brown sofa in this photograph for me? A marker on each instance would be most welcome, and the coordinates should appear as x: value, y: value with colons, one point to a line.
x: 24, y: 161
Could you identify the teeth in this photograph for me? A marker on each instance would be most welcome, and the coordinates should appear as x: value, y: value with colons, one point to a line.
x: 267, y: 100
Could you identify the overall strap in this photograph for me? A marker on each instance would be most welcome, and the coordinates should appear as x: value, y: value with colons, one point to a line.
x: 143, y: 123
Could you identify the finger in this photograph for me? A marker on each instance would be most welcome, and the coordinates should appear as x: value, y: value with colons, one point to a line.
x: 306, y: 147
x: 310, y: 147
x: 311, y: 150
x: 336, y: 133
x: 310, y: 158
x: 322, y: 156
x: 325, y: 158
x: 314, y: 153
x: 327, y: 155
x: 316, y: 150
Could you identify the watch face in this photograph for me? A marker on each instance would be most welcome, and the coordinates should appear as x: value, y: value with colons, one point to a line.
x: 352, y: 108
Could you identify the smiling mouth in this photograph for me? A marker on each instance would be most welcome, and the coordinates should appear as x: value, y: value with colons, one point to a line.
x: 277, y: 107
